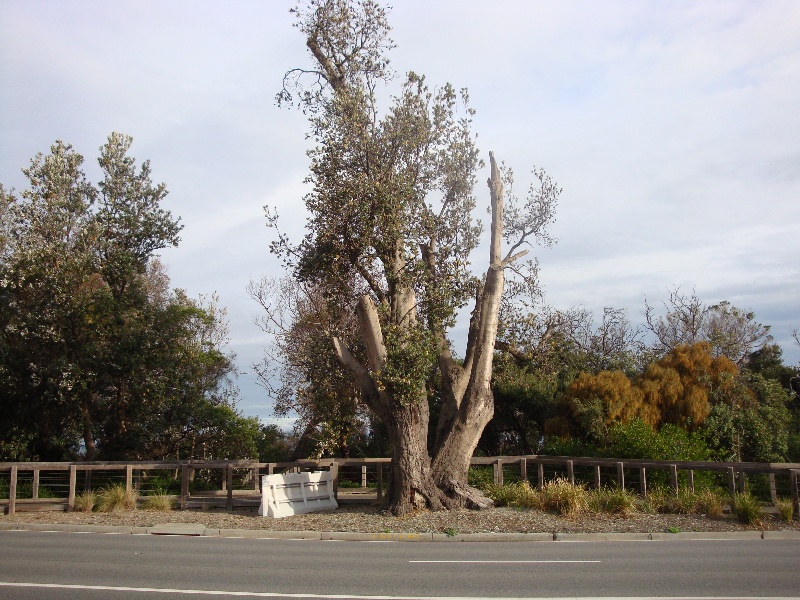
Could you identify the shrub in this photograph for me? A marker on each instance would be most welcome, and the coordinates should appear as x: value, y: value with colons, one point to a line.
x: 612, y: 500
x: 159, y: 501
x: 563, y: 497
x: 481, y: 477
x: 709, y: 503
x: 114, y: 498
x: 747, y: 509
x: 349, y: 483
x: 785, y: 508
x: 519, y: 494
x: 85, y: 501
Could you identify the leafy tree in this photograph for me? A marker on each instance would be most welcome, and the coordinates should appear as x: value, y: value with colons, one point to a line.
x: 390, y: 234
x: 751, y: 422
x: 98, y: 358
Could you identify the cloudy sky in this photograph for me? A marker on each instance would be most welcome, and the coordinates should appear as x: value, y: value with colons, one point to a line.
x: 673, y: 128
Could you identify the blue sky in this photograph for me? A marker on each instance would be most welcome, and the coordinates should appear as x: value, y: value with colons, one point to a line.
x: 673, y: 128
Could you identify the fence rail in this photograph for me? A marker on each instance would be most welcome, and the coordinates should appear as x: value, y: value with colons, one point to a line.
x: 238, y: 481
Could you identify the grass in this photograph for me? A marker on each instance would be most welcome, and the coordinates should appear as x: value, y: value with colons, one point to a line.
x: 114, y: 498
x: 567, y: 499
x: 159, y: 501
x: 612, y: 500
x: 85, y: 501
x: 785, y: 509
x: 747, y: 509
x: 564, y: 497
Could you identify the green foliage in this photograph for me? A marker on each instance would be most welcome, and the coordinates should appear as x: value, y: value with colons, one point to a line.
x: 272, y: 444
x: 159, y: 501
x: 637, y: 440
x: 162, y: 483
x: 752, y: 425
x: 349, y: 483
x: 519, y: 494
x: 613, y: 500
x: 747, y: 509
x: 481, y: 477
x: 563, y: 497
x: 98, y: 358
x: 411, y: 354
x: 703, y: 501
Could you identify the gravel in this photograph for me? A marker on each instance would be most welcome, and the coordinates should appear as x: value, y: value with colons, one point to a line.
x: 371, y: 519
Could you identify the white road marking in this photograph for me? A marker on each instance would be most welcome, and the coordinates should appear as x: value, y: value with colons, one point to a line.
x: 511, y: 562
x: 107, y: 588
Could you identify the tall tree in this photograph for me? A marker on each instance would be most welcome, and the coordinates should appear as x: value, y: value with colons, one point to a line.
x: 98, y: 357
x: 391, y: 209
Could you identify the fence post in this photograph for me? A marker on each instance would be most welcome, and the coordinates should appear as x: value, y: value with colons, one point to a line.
x: 643, y: 481
x: 12, y: 491
x: 540, y: 479
x: 523, y: 470
x: 691, y: 480
x: 35, y: 494
x: 571, y: 471
x: 498, y: 472
x: 184, y: 485
x: 128, y: 479
x: 742, y: 482
x: 335, y: 475
x: 73, y: 479
x: 773, y: 490
x: 621, y: 475
x: 363, y: 476
x: 379, y: 477
x: 731, y: 481
x: 794, y: 483
x: 597, y: 482
x: 270, y: 468
x: 673, y: 476
x: 256, y: 482
x: 229, y: 480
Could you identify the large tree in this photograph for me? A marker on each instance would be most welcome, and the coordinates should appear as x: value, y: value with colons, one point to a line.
x: 390, y: 233
x: 98, y: 357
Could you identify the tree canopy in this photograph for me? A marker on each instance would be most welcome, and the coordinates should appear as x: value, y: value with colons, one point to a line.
x: 389, y: 237
x: 99, y: 358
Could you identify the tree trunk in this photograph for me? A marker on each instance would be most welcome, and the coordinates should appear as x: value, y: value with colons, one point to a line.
x: 86, y: 415
x: 418, y: 481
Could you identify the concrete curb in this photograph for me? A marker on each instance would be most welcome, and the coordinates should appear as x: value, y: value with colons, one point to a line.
x: 189, y: 529
x: 602, y: 537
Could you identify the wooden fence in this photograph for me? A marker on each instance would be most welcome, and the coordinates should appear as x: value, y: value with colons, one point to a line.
x: 238, y: 481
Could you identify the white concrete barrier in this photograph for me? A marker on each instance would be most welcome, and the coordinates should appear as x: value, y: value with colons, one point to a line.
x: 296, y: 493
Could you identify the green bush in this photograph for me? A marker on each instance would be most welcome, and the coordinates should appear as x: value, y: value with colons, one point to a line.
x: 481, y: 477
x: 612, y: 500
x: 349, y: 483
x: 747, y: 509
x: 25, y: 490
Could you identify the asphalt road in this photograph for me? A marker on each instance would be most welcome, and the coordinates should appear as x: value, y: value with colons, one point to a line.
x: 95, y: 566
